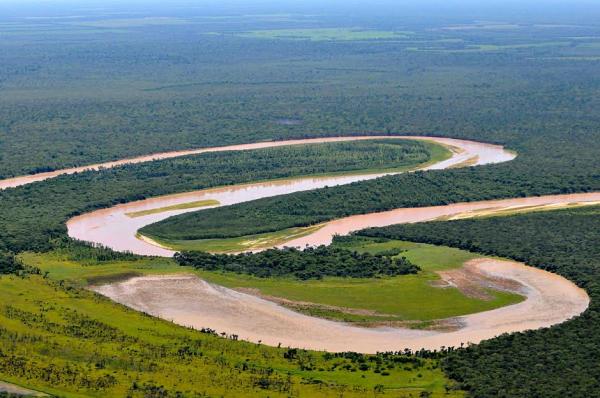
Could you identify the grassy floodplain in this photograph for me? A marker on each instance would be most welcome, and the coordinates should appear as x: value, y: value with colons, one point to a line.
x: 325, y: 34
x: 410, y: 298
x: 407, y: 298
x: 114, y: 351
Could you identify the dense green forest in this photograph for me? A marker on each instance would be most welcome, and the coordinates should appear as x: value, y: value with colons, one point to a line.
x: 310, y: 263
x: 93, y: 85
x: 518, y: 178
x: 32, y: 216
x: 91, y: 89
x: 560, y: 361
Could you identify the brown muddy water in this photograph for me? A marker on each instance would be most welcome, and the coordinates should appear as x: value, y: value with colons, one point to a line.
x: 113, y: 228
x: 190, y: 301
x: 28, y: 179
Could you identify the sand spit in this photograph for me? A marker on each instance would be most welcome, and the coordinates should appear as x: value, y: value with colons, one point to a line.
x: 190, y: 301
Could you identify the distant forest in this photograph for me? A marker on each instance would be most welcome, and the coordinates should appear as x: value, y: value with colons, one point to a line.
x: 76, y: 94
x: 82, y: 90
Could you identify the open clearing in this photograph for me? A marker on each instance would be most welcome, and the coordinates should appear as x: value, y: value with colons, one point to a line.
x: 392, y: 299
x: 46, y: 296
x: 190, y: 301
x: 323, y: 34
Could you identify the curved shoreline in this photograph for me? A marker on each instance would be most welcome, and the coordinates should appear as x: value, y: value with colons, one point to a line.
x: 190, y: 301
x: 111, y: 228
x: 31, y: 178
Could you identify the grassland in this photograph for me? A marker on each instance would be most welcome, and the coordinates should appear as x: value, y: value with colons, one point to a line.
x: 441, y: 46
x: 182, y: 206
x: 73, y: 343
x: 403, y: 298
x: 235, y: 245
x: 326, y: 34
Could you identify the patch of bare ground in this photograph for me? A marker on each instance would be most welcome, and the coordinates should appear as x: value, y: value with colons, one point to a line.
x: 472, y: 282
x: 467, y: 163
x: 15, y: 390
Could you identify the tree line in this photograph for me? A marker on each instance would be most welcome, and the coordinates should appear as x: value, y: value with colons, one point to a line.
x: 8, y: 263
x: 310, y: 263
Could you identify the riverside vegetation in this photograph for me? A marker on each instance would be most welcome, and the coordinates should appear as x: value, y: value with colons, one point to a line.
x: 33, y: 215
x: 311, y: 263
x: 534, y: 363
x: 409, y: 300
x: 78, y: 91
x: 64, y: 340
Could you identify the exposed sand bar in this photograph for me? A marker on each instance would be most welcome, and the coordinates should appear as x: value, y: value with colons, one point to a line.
x: 190, y: 301
x: 113, y: 228
x: 28, y: 179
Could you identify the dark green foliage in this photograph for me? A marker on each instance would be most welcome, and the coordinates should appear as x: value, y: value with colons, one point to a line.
x: 310, y: 263
x: 8, y: 263
x: 561, y: 361
x: 517, y: 178
x: 87, y: 253
x: 33, y: 215
x: 74, y: 95
x: 71, y: 96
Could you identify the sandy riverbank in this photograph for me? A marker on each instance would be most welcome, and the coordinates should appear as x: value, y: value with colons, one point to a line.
x: 190, y: 301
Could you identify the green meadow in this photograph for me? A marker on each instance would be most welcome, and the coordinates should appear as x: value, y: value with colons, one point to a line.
x: 59, y: 338
x: 325, y: 34
x: 411, y: 298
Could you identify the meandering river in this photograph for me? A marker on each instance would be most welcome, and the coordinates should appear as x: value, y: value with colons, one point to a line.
x: 113, y: 228
x: 189, y: 301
